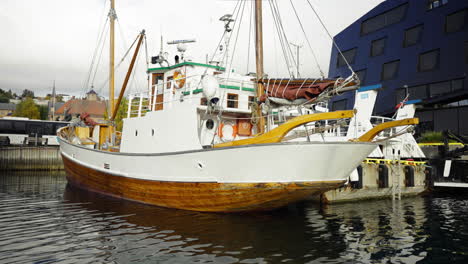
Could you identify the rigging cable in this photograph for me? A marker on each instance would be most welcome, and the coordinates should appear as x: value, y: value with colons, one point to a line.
x: 287, y: 46
x: 329, y: 35
x: 282, y: 36
x: 100, y: 41
x: 250, y: 34
x: 98, y: 61
x: 118, y: 65
x: 308, y: 42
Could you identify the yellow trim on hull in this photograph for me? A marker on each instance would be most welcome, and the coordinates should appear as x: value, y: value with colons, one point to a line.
x: 276, y: 135
x: 371, y: 134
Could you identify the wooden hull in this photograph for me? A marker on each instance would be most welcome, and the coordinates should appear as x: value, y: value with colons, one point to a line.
x: 203, y: 196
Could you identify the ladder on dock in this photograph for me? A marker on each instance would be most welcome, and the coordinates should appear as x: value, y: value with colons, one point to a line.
x: 396, y: 175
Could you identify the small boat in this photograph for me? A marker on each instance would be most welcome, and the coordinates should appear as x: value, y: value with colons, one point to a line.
x: 199, y: 139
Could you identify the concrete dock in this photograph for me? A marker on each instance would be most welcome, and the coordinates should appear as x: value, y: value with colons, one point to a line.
x: 30, y: 158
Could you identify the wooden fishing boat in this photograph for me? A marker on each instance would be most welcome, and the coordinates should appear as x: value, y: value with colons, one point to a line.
x: 199, y: 139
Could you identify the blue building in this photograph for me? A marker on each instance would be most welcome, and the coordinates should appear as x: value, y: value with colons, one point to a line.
x: 417, y: 48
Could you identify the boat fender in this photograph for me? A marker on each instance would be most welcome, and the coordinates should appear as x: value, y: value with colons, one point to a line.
x: 210, y: 88
x: 179, y: 79
x: 382, y: 180
x: 409, y: 176
x: 227, y: 130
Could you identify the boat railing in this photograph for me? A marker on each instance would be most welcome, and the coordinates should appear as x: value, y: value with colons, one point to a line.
x: 328, y: 128
x: 376, y: 120
x: 137, y: 104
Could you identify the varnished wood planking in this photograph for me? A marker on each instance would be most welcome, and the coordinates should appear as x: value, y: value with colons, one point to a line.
x: 208, y: 197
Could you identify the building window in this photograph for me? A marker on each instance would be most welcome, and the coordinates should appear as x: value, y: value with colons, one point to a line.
x: 412, y: 36
x: 456, y: 21
x: 390, y: 70
x: 203, y: 101
x: 457, y: 85
x: 436, y: 3
x: 233, y: 100
x: 339, y: 105
x: 428, y: 61
x: 350, y: 55
x: 362, y: 75
x: 400, y: 95
x: 439, y: 88
x: 466, y: 52
x: 417, y: 92
x: 378, y: 22
x: 378, y: 47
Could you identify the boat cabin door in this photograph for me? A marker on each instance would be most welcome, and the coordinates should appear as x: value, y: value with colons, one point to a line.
x: 157, y: 91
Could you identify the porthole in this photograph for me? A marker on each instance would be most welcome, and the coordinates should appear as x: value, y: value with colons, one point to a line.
x: 209, y: 123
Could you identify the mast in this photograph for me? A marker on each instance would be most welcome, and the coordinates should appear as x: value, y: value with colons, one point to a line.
x: 259, y: 62
x: 112, y: 17
x: 127, y: 77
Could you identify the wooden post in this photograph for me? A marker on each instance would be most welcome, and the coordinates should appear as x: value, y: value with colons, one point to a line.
x: 111, y: 58
x: 259, y: 62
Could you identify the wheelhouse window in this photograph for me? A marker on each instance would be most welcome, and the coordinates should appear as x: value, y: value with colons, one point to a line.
x: 169, y: 82
x: 429, y: 61
x: 436, y: 3
x: 378, y: 47
x: 350, y: 55
x: 413, y: 36
x: 390, y: 70
x: 378, y: 22
x: 251, y: 100
x: 339, y: 105
x: 456, y: 21
x: 233, y: 100
x: 157, y: 77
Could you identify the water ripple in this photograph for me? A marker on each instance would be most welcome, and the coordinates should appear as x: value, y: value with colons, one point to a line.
x: 44, y: 221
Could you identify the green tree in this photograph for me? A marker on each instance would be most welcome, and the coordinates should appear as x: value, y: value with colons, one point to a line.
x: 44, y: 112
x: 27, y: 108
x: 5, y: 96
x: 121, y: 114
x: 27, y: 93
x: 4, y: 99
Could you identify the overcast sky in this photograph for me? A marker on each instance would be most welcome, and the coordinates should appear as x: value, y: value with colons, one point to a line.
x: 47, y: 40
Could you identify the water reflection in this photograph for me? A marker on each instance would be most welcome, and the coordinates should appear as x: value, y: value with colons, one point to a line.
x: 43, y: 220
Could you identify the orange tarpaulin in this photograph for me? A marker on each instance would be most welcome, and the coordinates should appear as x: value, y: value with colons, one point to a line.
x: 296, y: 90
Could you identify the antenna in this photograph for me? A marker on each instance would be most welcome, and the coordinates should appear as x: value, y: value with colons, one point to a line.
x: 181, y: 47
x: 297, y: 46
x: 227, y: 19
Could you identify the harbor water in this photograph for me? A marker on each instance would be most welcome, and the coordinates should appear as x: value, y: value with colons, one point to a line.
x: 42, y: 220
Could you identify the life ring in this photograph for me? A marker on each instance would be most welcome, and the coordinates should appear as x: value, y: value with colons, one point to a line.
x: 227, y: 130
x: 179, y: 79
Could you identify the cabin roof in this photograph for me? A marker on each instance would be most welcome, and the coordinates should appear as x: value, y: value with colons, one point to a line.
x: 184, y: 64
